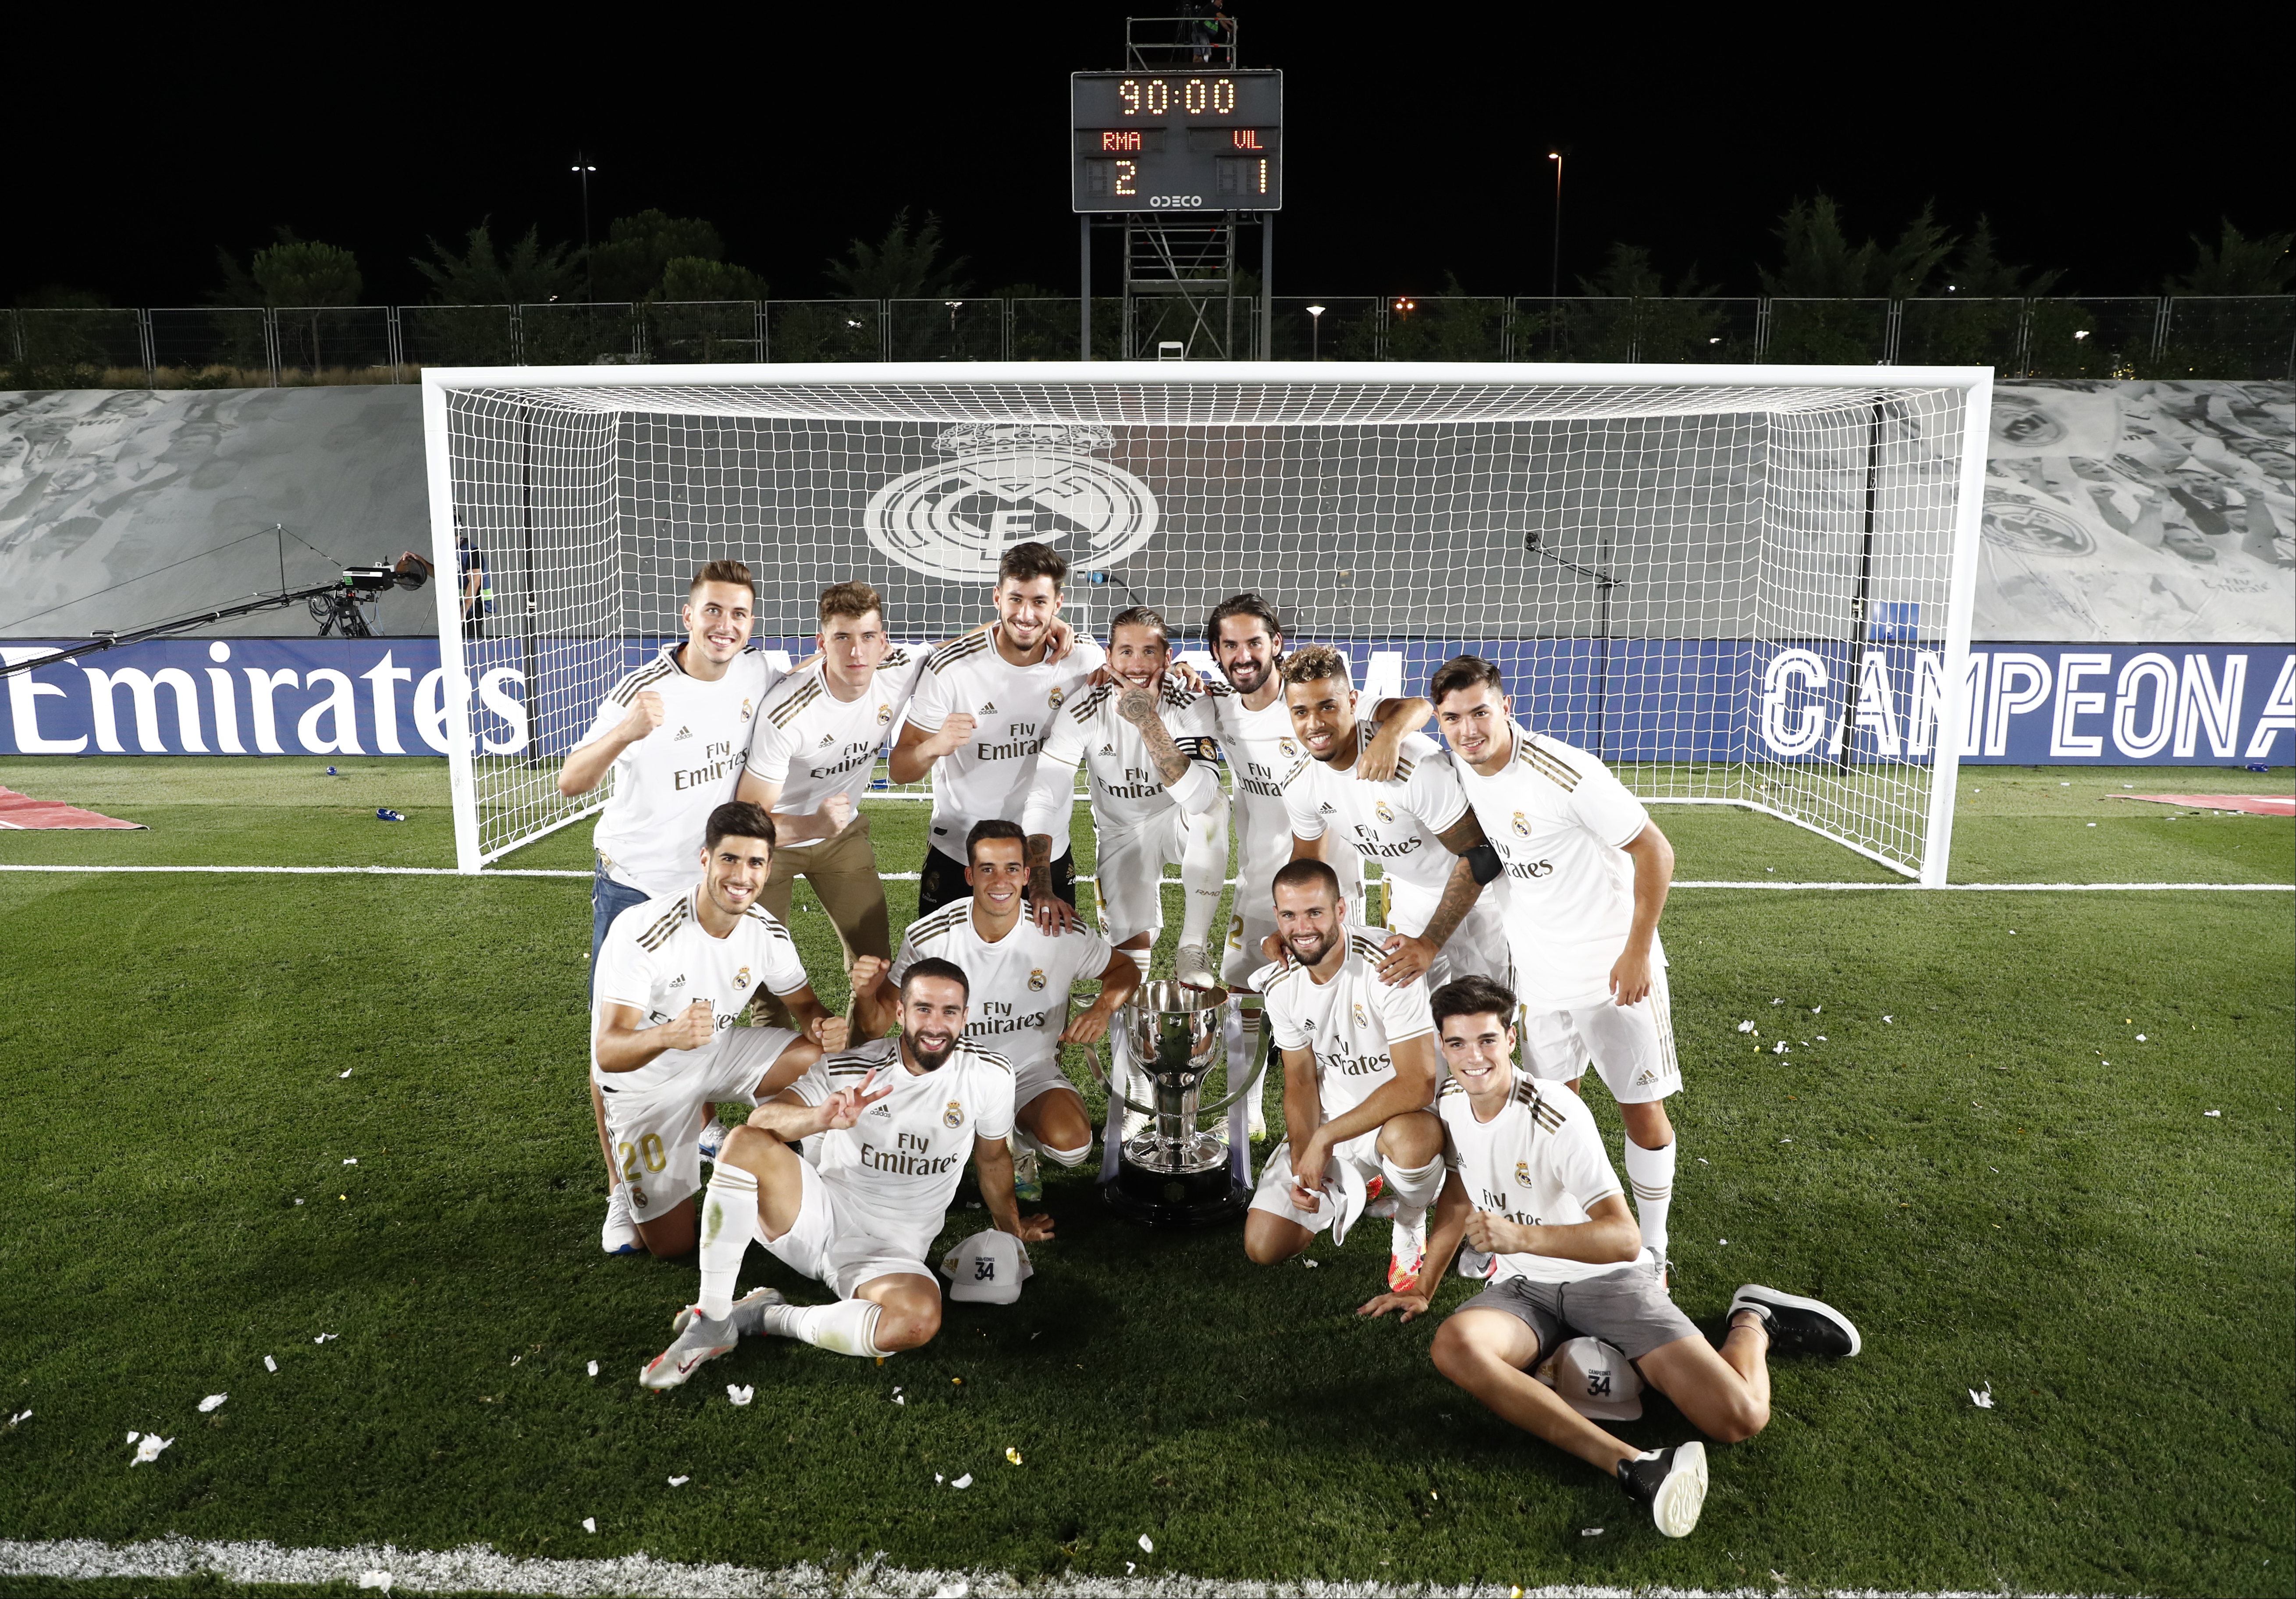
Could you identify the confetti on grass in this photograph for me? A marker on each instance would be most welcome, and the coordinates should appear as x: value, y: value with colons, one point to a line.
x: 963, y: 1481
x: 594, y: 1368
x: 149, y: 1449
x: 1147, y: 1545
x: 679, y: 1482
x: 270, y: 1364
x: 1983, y: 1401
x: 322, y: 1337
x: 1012, y: 1456
x: 1745, y: 1027
x: 21, y: 1417
x: 589, y: 1523
x: 212, y: 1402
x: 2212, y: 1113
x: 738, y: 1397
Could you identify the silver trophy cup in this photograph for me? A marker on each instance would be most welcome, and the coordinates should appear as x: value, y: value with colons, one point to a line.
x: 1190, y: 1164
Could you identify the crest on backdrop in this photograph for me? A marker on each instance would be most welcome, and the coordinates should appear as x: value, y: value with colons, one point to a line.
x: 1011, y: 483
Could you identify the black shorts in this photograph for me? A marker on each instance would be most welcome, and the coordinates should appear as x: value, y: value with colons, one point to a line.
x: 942, y: 880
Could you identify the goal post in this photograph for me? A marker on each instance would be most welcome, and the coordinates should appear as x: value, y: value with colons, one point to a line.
x: 1739, y: 586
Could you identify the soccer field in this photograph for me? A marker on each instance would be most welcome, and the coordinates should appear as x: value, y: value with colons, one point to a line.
x: 2037, y: 1143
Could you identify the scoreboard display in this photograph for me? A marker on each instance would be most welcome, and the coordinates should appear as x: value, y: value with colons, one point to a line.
x: 1187, y: 141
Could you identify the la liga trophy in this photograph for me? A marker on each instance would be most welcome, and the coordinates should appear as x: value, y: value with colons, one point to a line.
x: 1190, y: 1164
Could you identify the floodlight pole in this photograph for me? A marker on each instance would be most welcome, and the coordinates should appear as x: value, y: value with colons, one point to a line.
x: 1084, y: 251
x: 1555, y: 262
x: 589, y: 270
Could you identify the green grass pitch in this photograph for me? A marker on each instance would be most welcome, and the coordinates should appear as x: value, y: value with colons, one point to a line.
x: 2000, y: 1182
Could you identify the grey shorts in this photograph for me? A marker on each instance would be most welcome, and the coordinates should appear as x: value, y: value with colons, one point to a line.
x: 1627, y: 1307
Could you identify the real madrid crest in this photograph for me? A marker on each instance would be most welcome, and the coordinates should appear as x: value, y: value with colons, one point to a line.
x: 1523, y: 1173
x: 884, y: 714
x: 953, y: 1116
x: 1055, y: 698
x: 1011, y: 481
x: 1380, y: 809
x: 1036, y: 980
x: 1363, y: 1017
x: 745, y: 711
x: 1287, y: 746
x: 741, y: 978
x: 1521, y: 825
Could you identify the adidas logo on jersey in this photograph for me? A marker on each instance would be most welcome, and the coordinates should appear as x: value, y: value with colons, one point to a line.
x: 884, y: 1110
x: 1108, y: 748
x: 1329, y: 809
x: 678, y: 981
x: 683, y: 733
x: 828, y: 739
x: 989, y: 709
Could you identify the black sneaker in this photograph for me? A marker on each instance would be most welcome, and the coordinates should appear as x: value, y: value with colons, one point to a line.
x: 1672, y: 1482
x: 1796, y: 1325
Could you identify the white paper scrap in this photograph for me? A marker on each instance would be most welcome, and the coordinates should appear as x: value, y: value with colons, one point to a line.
x: 739, y: 1395
x: 1312, y: 1265
x: 19, y: 1417
x: 1815, y: 1009
x: 1892, y: 1019
x: 594, y: 1368
x: 149, y: 1449
x: 270, y: 1364
x: 345, y: 1072
x: 589, y: 1523
x: 134, y: 1436
x: 2212, y: 1113
x: 1590, y: 1532
x: 679, y: 1482
x: 2140, y: 1038
x: 1779, y: 1048
x: 212, y: 1402
x: 322, y: 1337
x: 1745, y: 1027
x: 1147, y: 1544
x: 350, y: 1159
x: 900, y: 1398
x: 963, y: 1481
x: 1983, y: 1401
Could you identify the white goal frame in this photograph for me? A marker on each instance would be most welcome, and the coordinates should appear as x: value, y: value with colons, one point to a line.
x: 1334, y: 383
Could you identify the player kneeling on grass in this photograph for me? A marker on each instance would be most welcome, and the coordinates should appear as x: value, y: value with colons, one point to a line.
x: 901, y: 1115
x: 1531, y: 1184
x: 674, y: 975
x: 1023, y: 975
x: 1360, y: 1074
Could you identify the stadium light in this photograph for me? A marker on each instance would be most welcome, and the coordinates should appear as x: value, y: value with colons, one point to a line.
x: 589, y: 269
x: 1315, y: 333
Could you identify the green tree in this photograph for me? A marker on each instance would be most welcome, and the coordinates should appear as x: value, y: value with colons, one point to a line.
x: 1979, y: 272
x: 2238, y: 264
x: 637, y: 250
x: 304, y: 272
x: 527, y: 273
x: 705, y: 277
x: 1818, y: 262
x: 905, y: 264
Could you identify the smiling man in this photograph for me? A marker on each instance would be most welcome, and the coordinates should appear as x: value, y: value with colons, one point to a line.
x: 901, y: 1116
x: 1021, y: 975
x: 674, y: 975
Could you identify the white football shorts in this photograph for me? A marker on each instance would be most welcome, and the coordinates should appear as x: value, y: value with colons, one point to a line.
x: 656, y: 1133
x: 829, y: 1246
x: 1130, y: 875
x: 1273, y: 1194
x: 1477, y: 947
x: 1037, y: 1078
x: 1630, y: 1047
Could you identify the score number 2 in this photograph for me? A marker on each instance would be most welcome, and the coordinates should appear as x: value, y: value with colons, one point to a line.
x: 1199, y: 96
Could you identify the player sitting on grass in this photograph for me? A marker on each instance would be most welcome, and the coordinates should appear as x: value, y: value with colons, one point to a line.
x: 1021, y: 976
x: 1587, y: 873
x: 1530, y: 1183
x: 1360, y: 1074
x: 901, y: 1115
x: 674, y: 975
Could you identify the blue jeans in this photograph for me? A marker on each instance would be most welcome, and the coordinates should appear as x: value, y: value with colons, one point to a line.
x: 608, y: 900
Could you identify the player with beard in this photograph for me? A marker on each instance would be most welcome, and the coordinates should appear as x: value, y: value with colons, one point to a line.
x: 1360, y: 1073
x: 1587, y: 872
x: 899, y: 1118
x: 1254, y: 728
x: 978, y: 719
x: 674, y: 976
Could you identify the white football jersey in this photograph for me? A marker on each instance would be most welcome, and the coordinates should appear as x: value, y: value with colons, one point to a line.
x: 1260, y: 747
x: 1013, y: 710
x: 1352, y: 1022
x: 1127, y: 790
x: 1560, y: 821
x: 1018, y: 987
x: 1539, y: 1161
x: 896, y: 1168
x: 665, y: 785
x: 1395, y: 823
x: 658, y: 958
x: 817, y: 746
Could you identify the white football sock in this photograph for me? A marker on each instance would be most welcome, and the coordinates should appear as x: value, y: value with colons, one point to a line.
x: 1244, y: 1048
x: 1649, y: 1172
x: 1414, y: 1188
x: 729, y: 1220
x: 1203, y: 869
x: 1139, y: 958
x: 848, y: 1327
x: 1067, y: 1157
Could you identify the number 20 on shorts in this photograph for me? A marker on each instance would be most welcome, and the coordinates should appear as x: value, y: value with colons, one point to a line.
x: 648, y: 1148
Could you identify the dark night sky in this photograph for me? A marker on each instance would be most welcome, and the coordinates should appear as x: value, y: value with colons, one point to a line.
x: 1416, y: 138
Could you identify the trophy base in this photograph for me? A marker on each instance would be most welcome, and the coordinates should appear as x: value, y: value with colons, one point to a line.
x: 1177, y: 1198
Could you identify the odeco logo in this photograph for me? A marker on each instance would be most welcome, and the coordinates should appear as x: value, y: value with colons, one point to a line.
x: 1011, y: 482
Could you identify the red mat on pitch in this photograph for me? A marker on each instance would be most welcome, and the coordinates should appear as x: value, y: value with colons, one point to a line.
x: 2255, y: 805
x: 22, y: 811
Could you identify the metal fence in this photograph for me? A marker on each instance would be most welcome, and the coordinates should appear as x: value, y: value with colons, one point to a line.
x: 2234, y: 336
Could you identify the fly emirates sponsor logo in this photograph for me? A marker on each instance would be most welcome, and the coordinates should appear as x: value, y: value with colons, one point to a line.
x: 845, y: 760
x: 1139, y: 783
x: 1370, y: 845
x: 1497, y: 1203
x: 720, y: 759
x: 911, y: 1156
x: 998, y: 1016
x: 1020, y: 741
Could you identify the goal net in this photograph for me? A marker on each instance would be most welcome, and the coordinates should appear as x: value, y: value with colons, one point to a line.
x: 1738, y: 585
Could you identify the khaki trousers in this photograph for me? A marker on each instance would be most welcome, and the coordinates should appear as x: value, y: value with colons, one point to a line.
x: 843, y: 873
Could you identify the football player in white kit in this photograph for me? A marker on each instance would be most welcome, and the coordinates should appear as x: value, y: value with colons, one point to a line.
x: 1359, y: 1077
x: 1020, y: 976
x: 1441, y: 905
x: 1146, y: 739
x: 901, y: 1116
x: 1587, y: 872
x: 1529, y: 1185
x: 674, y: 975
x: 1255, y: 733
x: 979, y: 717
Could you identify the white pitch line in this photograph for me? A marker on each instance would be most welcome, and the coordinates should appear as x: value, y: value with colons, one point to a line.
x: 642, y: 1577
x: 1174, y: 882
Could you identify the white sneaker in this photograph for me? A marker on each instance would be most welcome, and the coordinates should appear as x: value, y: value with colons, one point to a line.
x: 1406, y: 1257
x: 619, y: 1235
x: 713, y: 1139
x: 1191, y: 968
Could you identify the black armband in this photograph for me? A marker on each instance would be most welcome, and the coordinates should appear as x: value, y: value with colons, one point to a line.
x: 1484, y: 861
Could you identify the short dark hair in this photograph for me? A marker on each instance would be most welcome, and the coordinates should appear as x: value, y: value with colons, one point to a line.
x: 1300, y: 874
x: 1473, y: 996
x: 1463, y: 671
x: 995, y: 827
x: 933, y: 965
x: 853, y: 598
x: 1024, y: 561
x: 738, y: 819
x: 1314, y: 664
x: 1244, y: 604
x: 1141, y: 616
x: 724, y: 571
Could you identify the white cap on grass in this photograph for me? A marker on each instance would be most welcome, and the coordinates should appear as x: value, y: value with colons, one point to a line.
x: 1595, y: 1380
x: 987, y: 1268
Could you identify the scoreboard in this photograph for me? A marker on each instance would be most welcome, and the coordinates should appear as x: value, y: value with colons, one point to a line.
x: 1186, y: 141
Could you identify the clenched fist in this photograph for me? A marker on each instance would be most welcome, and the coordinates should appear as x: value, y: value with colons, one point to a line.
x: 691, y: 1027
x: 646, y: 714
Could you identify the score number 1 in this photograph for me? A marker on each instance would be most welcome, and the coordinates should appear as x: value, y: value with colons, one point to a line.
x: 1199, y: 96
